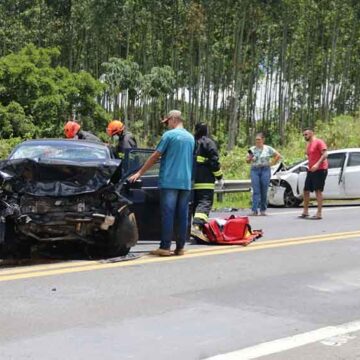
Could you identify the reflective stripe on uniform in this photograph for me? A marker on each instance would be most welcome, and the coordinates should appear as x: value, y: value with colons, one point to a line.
x: 204, y: 186
x: 217, y: 173
x: 201, y: 216
x: 200, y: 159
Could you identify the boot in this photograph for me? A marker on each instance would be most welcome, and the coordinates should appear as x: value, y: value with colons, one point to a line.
x: 197, y: 233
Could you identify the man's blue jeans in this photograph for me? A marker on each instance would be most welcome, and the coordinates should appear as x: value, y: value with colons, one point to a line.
x: 174, y: 217
x: 260, y: 180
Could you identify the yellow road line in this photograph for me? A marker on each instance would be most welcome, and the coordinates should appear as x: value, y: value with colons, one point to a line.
x: 93, y: 265
x: 35, y: 268
x: 212, y: 249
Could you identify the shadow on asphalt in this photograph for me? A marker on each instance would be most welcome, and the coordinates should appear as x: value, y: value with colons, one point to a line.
x: 62, y: 252
x: 52, y: 254
x: 329, y: 205
x: 312, y: 205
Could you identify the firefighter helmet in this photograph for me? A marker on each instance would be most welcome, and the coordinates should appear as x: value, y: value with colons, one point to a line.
x: 115, y: 127
x: 71, y: 128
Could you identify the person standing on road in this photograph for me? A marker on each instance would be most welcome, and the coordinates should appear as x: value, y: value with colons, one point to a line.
x: 124, y: 140
x: 261, y: 157
x: 72, y: 130
x: 207, y: 170
x: 316, y: 151
x: 175, y: 151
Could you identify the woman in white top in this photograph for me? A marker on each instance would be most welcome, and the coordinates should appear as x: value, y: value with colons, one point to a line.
x: 261, y: 157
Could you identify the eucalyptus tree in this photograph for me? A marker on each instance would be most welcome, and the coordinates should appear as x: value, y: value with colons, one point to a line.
x: 122, y: 76
x: 157, y: 86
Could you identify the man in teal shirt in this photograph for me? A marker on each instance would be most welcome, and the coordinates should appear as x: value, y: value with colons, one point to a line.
x: 176, y: 149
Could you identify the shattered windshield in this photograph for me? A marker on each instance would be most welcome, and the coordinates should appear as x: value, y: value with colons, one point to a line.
x: 69, y: 152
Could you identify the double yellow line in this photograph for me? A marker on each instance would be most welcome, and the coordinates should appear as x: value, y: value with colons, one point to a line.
x: 80, y: 266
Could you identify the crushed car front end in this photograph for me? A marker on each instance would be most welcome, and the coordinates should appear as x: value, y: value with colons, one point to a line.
x: 283, y: 188
x: 64, y: 201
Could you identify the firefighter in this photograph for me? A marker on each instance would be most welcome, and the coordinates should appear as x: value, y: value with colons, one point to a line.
x: 207, y: 171
x: 72, y: 131
x: 124, y: 139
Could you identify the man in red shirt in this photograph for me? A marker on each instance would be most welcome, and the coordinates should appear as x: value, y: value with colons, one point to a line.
x: 316, y: 151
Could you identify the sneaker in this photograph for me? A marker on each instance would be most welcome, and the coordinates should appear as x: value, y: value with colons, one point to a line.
x: 161, y: 252
x: 253, y: 213
x: 197, y: 233
x: 179, y: 252
x: 263, y: 213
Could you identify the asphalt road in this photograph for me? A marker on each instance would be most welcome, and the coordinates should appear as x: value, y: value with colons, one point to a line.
x: 290, y: 295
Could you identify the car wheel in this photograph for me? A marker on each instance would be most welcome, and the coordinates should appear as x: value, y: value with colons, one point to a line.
x: 289, y: 198
x: 118, y: 240
x: 15, y: 251
x: 14, y: 245
x: 123, y: 235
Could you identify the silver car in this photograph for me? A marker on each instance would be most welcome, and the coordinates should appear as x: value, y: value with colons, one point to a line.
x: 342, y: 182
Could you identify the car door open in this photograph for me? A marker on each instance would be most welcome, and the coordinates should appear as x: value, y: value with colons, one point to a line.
x: 145, y: 195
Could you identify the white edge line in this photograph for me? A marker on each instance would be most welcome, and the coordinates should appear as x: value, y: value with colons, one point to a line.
x: 279, y: 345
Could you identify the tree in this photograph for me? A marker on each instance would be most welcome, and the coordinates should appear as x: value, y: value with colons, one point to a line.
x: 122, y: 76
x: 14, y: 122
x: 43, y: 97
x: 156, y: 87
x: 241, y: 66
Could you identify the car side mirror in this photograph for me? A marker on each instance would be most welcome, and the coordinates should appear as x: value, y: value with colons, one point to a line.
x: 303, y: 169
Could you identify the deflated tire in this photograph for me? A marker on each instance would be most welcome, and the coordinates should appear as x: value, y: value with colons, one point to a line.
x: 123, y: 234
x: 119, y: 239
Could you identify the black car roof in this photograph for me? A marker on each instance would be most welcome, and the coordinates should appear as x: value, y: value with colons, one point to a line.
x: 64, y: 142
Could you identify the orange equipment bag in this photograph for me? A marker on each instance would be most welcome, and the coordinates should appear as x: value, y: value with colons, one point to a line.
x: 234, y: 230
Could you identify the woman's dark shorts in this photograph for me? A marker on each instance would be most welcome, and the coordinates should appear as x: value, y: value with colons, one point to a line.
x: 315, y: 180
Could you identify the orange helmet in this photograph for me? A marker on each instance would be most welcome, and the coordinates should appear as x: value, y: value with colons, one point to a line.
x: 115, y: 127
x: 71, y: 128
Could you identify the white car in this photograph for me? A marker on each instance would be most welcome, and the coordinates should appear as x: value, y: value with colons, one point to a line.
x: 342, y: 182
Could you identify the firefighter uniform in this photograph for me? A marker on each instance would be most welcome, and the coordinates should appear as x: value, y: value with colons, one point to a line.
x: 122, y: 139
x: 86, y: 135
x: 206, y: 172
x: 126, y: 141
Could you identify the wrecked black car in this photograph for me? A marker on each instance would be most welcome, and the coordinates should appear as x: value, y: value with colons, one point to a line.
x: 74, y: 191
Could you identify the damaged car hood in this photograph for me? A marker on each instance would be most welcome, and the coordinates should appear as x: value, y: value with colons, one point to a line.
x: 55, y: 178
x: 277, y: 168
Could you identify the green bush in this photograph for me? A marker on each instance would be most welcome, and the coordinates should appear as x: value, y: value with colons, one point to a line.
x: 7, y: 145
x: 36, y: 98
x: 342, y: 132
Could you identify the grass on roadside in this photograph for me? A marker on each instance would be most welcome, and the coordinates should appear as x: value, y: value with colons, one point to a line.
x: 235, y: 200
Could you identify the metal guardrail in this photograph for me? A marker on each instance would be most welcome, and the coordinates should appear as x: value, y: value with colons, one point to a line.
x: 231, y: 186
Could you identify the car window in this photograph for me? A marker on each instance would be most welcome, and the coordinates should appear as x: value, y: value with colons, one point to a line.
x: 354, y: 159
x: 70, y: 152
x: 137, y: 158
x: 336, y: 160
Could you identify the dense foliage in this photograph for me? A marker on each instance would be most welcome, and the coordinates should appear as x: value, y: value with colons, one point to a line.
x: 36, y: 98
x: 240, y: 65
